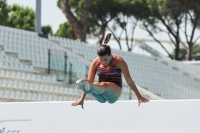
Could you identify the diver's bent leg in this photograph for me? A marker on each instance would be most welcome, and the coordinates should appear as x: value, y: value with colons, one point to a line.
x: 110, y: 91
x: 110, y: 96
x: 88, y: 88
x: 98, y: 87
x: 99, y: 97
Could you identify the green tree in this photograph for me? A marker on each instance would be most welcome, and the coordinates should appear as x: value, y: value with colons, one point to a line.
x: 191, y: 16
x: 19, y: 17
x: 109, y: 15
x: 4, y: 11
x: 131, y: 12
x: 47, y: 30
x: 102, y: 13
x: 65, y: 31
x: 78, y: 17
x: 195, y: 53
x: 174, y: 16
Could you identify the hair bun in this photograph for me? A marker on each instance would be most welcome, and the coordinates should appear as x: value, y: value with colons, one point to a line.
x: 107, y: 39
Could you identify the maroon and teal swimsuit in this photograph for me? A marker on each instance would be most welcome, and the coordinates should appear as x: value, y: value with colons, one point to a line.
x: 112, y: 74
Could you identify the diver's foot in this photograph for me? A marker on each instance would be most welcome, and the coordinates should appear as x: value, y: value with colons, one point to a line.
x: 84, y: 85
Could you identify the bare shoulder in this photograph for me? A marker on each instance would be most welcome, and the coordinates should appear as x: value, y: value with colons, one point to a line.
x: 95, y: 62
x: 118, y: 57
x: 119, y: 61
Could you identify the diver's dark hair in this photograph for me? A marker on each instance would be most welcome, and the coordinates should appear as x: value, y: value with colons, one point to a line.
x: 105, y: 49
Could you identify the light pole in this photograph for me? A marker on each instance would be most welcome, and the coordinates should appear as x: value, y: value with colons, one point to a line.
x: 38, y: 17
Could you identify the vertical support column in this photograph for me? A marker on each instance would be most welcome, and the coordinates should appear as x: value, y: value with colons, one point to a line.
x: 86, y: 73
x: 130, y: 94
x: 38, y: 17
x: 66, y: 80
x: 70, y: 73
x: 49, y: 58
x: 65, y: 71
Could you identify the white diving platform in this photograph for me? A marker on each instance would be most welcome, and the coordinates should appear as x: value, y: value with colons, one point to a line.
x: 157, y: 116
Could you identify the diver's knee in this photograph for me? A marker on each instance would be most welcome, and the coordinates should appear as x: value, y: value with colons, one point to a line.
x: 102, y: 101
x: 111, y: 102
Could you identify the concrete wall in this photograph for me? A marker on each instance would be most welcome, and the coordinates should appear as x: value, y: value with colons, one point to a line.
x: 157, y: 116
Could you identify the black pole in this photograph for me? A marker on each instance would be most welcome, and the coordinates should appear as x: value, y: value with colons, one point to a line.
x: 87, y: 69
x: 70, y: 73
x: 65, y: 71
x: 49, y: 61
x: 38, y: 16
x: 130, y: 94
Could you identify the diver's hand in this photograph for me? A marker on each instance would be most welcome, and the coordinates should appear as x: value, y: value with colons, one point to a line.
x: 81, y: 79
x: 142, y: 100
x: 78, y: 102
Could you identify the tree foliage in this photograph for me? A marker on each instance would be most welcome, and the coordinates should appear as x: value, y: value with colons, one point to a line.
x: 115, y: 15
x: 47, y: 30
x: 19, y: 17
x: 77, y: 17
x: 4, y: 11
x: 65, y: 31
x: 174, y: 17
x: 195, y: 53
x: 106, y: 15
x: 127, y: 20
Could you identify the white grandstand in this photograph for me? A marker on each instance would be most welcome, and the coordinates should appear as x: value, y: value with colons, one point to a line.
x: 39, y: 69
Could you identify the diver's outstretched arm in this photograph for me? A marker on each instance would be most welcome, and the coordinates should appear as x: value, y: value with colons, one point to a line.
x: 124, y: 67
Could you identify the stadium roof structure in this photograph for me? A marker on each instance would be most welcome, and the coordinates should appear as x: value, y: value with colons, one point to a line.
x: 152, y: 51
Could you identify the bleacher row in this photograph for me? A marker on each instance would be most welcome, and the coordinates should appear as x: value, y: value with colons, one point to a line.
x: 89, y: 53
x: 27, y: 76
x: 152, y: 74
x: 14, y: 63
x: 21, y: 53
x: 21, y: 81
x: 18, y: 46
x: 160, y: 76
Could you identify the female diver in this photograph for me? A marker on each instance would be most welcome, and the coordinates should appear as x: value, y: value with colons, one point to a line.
x: 108, y: 67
